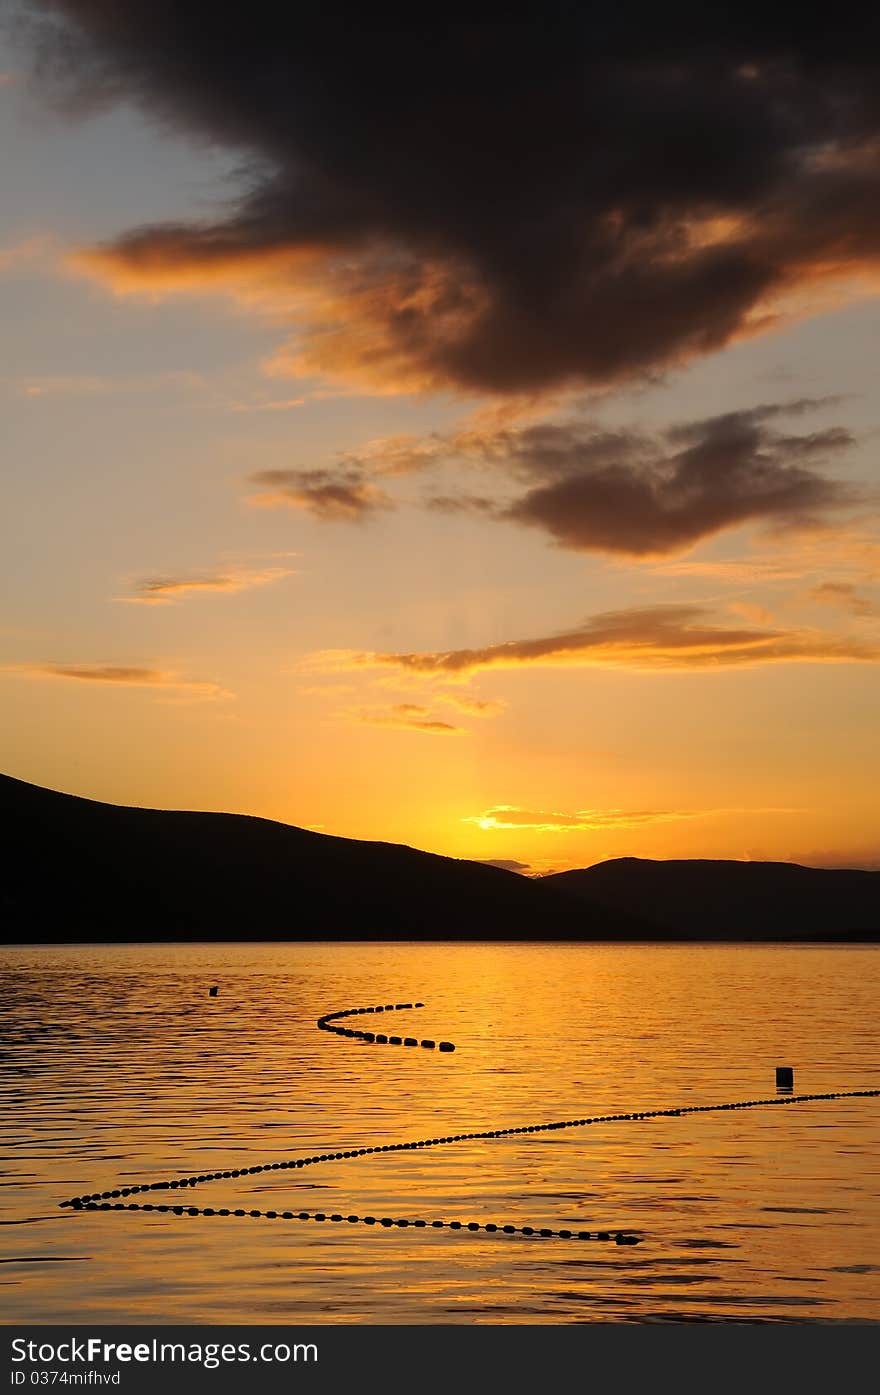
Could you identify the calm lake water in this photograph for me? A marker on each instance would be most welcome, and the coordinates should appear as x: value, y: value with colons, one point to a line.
x: 116, y: 1067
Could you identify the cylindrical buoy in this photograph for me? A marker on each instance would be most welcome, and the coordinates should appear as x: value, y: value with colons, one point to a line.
x: 784, y: 1077
x: 212, y: 992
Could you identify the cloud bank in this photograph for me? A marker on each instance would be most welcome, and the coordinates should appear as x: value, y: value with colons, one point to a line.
x: 625, y: 492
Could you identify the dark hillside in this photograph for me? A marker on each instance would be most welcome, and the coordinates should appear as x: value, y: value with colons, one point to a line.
x: 75, y: 869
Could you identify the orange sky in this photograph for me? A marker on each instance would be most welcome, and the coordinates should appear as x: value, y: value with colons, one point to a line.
x: 265, y: 552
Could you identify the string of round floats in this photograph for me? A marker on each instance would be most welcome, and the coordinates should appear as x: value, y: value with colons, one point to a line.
x: 112, y: 1200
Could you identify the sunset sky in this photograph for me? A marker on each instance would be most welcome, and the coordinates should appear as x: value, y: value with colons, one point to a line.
x: 462, y: 435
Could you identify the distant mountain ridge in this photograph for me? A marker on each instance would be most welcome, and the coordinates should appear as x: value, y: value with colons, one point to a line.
x: 742, y: 900
x: 75, y: 869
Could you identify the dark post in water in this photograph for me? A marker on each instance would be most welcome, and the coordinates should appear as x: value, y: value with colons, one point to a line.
x: 784, y: 1077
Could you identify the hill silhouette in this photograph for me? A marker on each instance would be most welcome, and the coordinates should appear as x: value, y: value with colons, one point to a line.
x: 737, y: 900
x: 76, y: 869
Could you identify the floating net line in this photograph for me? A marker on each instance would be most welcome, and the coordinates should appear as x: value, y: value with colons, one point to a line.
x: 113, y: 1200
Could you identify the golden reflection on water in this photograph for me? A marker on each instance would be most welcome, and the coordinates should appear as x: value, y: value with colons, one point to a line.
x: 117, y: 1067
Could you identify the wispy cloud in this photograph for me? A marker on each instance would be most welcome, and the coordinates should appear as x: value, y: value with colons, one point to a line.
x: 123, y: 676
x: 844, y: 596
x: 843, y: 551
x: 405, y: 716
x: 65, y: 385
x: 740, y: 570
x: 509, y: 816
x: 753, y: 612
x: 48, y: 386
x: 403, y: 454
x: 276, y: 405
x: 666, y: 637
x: 27, y: 249
x: 472, y: 707
x: 163, y: 590
x: 333, y: 495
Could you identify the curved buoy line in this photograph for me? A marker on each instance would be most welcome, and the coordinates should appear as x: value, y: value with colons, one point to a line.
x: 112, y: 1200
x: 380, y: 1038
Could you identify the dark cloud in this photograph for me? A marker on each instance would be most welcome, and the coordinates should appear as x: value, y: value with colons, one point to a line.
x: 628, y: 495
x: 332, y: 495
x: 646, y: 495
x: 663, y: 637
x: 502, y: 202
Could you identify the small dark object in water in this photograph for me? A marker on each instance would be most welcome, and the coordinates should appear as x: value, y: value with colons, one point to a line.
x: 784, y: 1077
x: 212, y: 992
x: 446, y: 1046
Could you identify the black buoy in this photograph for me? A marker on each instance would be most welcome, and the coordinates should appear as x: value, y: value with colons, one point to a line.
x: 212, y: 992
x: 784, y: 1077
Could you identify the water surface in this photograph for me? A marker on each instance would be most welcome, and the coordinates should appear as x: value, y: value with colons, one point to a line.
x: 116, y: 1067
